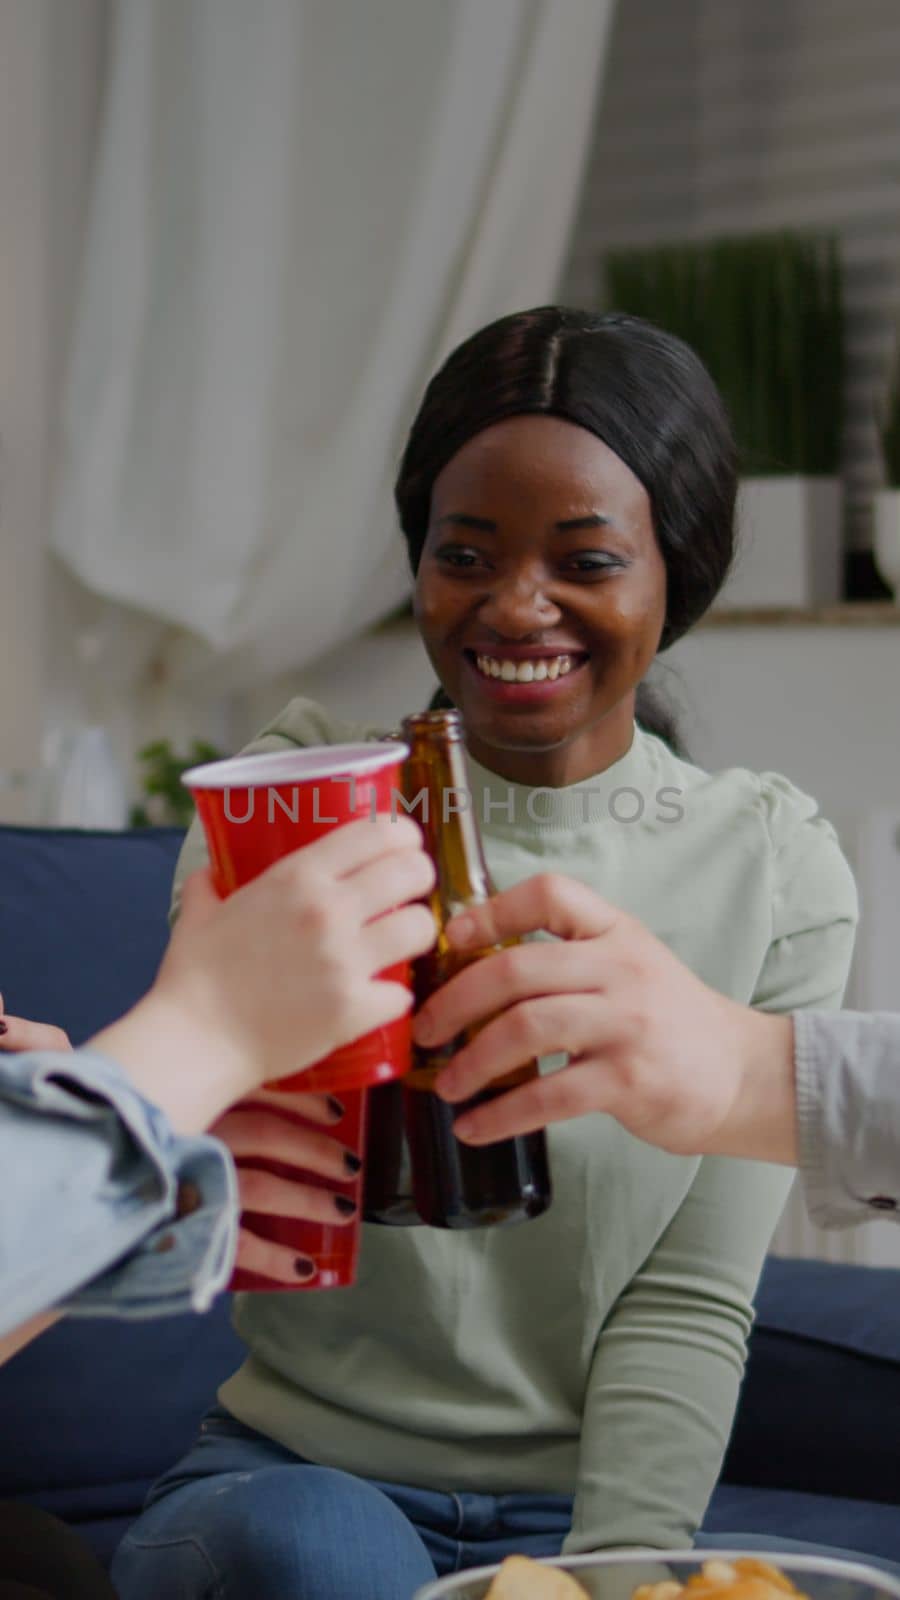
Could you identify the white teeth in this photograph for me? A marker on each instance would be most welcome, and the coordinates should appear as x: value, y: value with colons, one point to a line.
x: 524, y: 671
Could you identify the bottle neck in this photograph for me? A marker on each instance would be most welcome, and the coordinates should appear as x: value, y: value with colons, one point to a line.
x: 439, y: 796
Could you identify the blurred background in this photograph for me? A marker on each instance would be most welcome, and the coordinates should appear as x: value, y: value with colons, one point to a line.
x: 237, y: 237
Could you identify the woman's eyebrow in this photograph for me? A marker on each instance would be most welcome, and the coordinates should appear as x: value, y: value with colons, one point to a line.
x: 464, y: 520
x: 577, y: 524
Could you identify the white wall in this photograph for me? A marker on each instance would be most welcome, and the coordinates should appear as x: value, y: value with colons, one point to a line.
x: 50, y: 66
x: 23, y: 377
x: 817, y: 703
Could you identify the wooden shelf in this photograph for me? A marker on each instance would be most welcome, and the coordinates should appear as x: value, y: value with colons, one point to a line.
x: 852, y: 614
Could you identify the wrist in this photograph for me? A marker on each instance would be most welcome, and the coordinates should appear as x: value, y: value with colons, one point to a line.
x: 762, y: 1122
x: 175, y: 1059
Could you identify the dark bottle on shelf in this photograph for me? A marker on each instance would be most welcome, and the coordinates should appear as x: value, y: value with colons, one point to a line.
x: 452, y: 1185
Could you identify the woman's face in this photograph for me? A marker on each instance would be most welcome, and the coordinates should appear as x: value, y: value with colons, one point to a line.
x: 541, y: 597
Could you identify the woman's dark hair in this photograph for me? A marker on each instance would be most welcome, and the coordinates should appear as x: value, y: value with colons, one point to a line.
x: 642, y: 391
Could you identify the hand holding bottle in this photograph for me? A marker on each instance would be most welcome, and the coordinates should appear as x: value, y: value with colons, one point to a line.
x: 676, y: 1063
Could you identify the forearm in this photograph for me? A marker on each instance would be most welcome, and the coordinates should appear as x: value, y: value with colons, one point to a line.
x: 667, y: 1370
x: 758, y: 1050
x: 174, y: 1061
x: 654, y: 1437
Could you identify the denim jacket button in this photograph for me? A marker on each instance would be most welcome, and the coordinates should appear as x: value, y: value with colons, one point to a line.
x: 189, y: 1199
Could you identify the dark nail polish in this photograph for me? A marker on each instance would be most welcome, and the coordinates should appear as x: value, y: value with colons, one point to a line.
x: 303, y: 1268
x: 4, y: 1027
x: 344, y: 1205
x: 352, y: 1162
x: 336, y: 1107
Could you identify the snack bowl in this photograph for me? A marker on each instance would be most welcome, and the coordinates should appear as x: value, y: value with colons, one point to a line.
x: 615, y: 1575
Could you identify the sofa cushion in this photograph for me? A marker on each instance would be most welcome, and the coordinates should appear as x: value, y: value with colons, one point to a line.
x: 851, y: 1308
x: 95, y: 1410
x: 864, y: 1527
x: 822, y: 1383
x: 82, y: 921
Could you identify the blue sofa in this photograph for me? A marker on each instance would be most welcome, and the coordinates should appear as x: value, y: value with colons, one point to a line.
x: 93, y: 1411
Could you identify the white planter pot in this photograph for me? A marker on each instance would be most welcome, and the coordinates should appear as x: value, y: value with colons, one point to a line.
x: 790, y: 545
x: 886, y: 536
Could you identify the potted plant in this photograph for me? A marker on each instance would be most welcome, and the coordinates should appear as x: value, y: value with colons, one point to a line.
x: 886, y: 504
x: 765, y: 314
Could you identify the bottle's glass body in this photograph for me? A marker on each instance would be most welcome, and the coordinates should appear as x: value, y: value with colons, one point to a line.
x: 417, y: 1168
x: 387, y: 1188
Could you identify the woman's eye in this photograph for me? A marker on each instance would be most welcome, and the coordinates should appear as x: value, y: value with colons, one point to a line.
x: 458, y: 556
x: 592, y: 562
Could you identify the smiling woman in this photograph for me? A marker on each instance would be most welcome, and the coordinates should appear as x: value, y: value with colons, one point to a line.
x: 567, y: 497
x: 574, y: 476
x: 540, y: 626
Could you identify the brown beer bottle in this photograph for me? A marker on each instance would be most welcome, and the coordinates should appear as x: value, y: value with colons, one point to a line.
x: 456, y: 1185
x: 387, y: 1185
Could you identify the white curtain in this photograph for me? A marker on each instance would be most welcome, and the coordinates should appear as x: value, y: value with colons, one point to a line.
x: 299, y: 207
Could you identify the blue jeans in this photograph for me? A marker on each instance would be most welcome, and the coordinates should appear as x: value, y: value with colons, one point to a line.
x: 242, y: 1518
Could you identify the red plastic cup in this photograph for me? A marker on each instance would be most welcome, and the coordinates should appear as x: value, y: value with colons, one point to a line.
x: 256, y: 809
x: 333, y: 1247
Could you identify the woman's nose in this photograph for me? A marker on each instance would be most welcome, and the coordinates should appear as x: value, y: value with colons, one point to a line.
x: 518, y: 606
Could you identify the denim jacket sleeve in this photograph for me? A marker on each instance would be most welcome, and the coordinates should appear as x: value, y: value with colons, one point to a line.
x: 847, y: 1070
x: 91, y: 1176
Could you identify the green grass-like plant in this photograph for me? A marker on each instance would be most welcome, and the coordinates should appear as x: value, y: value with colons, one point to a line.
x: 168, y: 803
x: 765, y: 314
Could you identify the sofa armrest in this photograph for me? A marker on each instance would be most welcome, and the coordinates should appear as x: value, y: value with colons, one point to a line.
x: 821, y: 1394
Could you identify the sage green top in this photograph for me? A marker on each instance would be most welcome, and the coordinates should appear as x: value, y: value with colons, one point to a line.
x: 597, y: 1350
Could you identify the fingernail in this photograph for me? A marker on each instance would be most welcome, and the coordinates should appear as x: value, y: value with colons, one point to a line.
x: 4, y: 1027
x: 423, y: 1028
x: 352, y: 1162
x: 461, y: 930
x: 344, y: 1205
x: 336, y: 1107
x: 463, y: 1129
x: 303, y: 1268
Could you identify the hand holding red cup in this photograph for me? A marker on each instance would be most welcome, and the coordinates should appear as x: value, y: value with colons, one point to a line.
x: 255, y: 810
